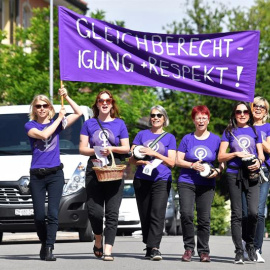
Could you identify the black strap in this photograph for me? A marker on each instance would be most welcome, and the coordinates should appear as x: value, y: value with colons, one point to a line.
x: 157, y: 139
x: 105, y: 133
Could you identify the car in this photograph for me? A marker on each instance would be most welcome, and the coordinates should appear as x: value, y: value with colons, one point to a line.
x: 16, y: 208
x: 129, y: 219
x: 172, y: 217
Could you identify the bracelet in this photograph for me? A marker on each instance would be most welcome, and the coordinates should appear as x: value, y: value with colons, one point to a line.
x: 260, y: 161
x: 191, y: 166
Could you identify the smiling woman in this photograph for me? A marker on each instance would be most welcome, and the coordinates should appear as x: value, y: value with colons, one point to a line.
x: 243, y: 140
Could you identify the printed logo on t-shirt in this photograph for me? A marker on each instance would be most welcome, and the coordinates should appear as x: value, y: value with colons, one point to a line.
x: 200, y: 153
x: 100, y: 139
x: 46, y: 145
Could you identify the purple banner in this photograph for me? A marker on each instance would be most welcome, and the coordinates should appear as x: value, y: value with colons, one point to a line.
x: 221, y: 64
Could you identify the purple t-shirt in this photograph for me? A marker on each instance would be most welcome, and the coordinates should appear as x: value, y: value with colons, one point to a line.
x: 45, y: 153
x: 194, y: 149
x: 115, y: 131
x: 247, y: 140
x: 168, y: 142
x: 265, y: 132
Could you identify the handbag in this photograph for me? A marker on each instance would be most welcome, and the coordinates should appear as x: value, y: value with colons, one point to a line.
x: 122, y: 157
x: 136, y: 151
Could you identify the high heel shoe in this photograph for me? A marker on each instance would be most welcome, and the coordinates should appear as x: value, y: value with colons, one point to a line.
x: 49, y: 254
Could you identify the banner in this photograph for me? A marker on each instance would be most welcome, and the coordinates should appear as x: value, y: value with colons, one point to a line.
x: 221, y: 64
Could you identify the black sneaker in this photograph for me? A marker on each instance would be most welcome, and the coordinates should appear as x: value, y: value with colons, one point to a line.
x: 251, y: 253
x: 148, y: 253
x: 155, y: 255
x: 239, y: 258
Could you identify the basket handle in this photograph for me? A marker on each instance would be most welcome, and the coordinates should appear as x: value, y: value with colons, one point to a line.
x: 113, y: 161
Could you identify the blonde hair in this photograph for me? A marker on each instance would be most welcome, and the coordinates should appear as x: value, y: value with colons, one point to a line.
x: 32, y: 114
x: 266, y: 104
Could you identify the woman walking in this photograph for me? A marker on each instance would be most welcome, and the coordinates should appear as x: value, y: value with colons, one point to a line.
x: 109, y: 132
x: 152, y: 183
x: 245, y: 145
x: 46, y: 173
x: 196, y: 153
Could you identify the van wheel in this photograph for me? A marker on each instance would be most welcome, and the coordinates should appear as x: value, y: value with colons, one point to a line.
x: 86, y: 234
x: 1, y: 237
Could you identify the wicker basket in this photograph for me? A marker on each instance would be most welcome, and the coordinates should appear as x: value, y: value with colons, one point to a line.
x: 110, y: 173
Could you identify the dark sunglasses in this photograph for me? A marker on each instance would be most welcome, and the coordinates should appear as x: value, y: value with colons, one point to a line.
x: 153, y: 115
x: 45, y: 106
x: 108, y: 101
x: 239, y: 112
x: 259, y: 107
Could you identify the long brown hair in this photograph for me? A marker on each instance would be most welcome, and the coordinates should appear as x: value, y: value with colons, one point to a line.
x: 114, y: 112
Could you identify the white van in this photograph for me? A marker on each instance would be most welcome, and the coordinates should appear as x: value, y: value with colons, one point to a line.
x: 16, y: 209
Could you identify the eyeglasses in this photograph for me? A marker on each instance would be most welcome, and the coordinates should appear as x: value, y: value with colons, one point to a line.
x: 239, y: 112
x: 39, y: 106
x: 260, y: 107
x: 203, y: 119
x: 108, y: 101
x: 153, y: 115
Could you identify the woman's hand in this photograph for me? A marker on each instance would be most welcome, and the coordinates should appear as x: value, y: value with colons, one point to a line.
x: 256, y: 165
x: 148, y: 151
x: 63, y: 92
x: 198, y: 166
x: 106, y: 151
x: 242, y: 154
x: 62, y: 112
x: 214, y: 173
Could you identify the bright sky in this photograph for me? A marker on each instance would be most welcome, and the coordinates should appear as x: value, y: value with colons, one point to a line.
x: 149, y: 15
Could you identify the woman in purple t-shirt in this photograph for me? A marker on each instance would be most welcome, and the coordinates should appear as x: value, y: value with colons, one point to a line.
x: 152, y: 184
x: 195, y: 149
x: 109, y: 132
x: 260, y: 111
x: 243, y: 140
x: 46, y: 173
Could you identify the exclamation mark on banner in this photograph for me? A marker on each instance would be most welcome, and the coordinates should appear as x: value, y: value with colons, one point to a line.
x: 239, y: 71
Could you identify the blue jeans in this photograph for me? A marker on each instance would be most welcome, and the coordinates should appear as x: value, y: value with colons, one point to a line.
x: 53, y: 184
x: 264, y: 189
x: 202, y: 196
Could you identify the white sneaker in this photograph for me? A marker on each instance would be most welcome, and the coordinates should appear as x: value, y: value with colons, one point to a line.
x: 260, y: 259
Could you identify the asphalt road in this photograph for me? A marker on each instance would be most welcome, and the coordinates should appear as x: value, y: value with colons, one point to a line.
x: 20, y: 251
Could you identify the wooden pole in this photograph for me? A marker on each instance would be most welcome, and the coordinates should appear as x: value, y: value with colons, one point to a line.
x: 62, y: 98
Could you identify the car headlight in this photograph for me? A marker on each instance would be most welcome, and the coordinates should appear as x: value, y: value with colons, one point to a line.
x: 76, y: 182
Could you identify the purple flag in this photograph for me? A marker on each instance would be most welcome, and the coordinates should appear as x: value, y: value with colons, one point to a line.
x: 220, y: 64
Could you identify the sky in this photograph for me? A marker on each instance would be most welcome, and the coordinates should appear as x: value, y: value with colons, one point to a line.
x: 149, y: 15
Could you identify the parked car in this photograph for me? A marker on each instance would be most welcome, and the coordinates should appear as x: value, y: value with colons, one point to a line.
x: 172, y: 217
x: 16, y: 208
x: 129, y: 220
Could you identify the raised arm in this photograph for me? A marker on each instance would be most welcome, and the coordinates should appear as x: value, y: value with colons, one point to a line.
x: 76, y: 108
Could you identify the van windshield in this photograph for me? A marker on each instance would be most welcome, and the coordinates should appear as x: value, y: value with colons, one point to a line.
x: 14, y: 140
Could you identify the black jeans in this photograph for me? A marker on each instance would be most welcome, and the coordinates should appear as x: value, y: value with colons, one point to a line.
x: 252, y: 199
x: 259, y: 234
x: 203, y: 197
x: 152, y: 198
x: 53, y: 184
x: 100, y: 195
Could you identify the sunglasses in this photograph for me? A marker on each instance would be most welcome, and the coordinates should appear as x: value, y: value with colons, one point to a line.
x: 39, y: 106
x: 255, y: 106
x: 203, y: 119
x: 153, y: 115
x: 239, y: 112
x: 108, y: 101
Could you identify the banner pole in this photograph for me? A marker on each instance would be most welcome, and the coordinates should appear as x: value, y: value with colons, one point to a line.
x: 62, y: 98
